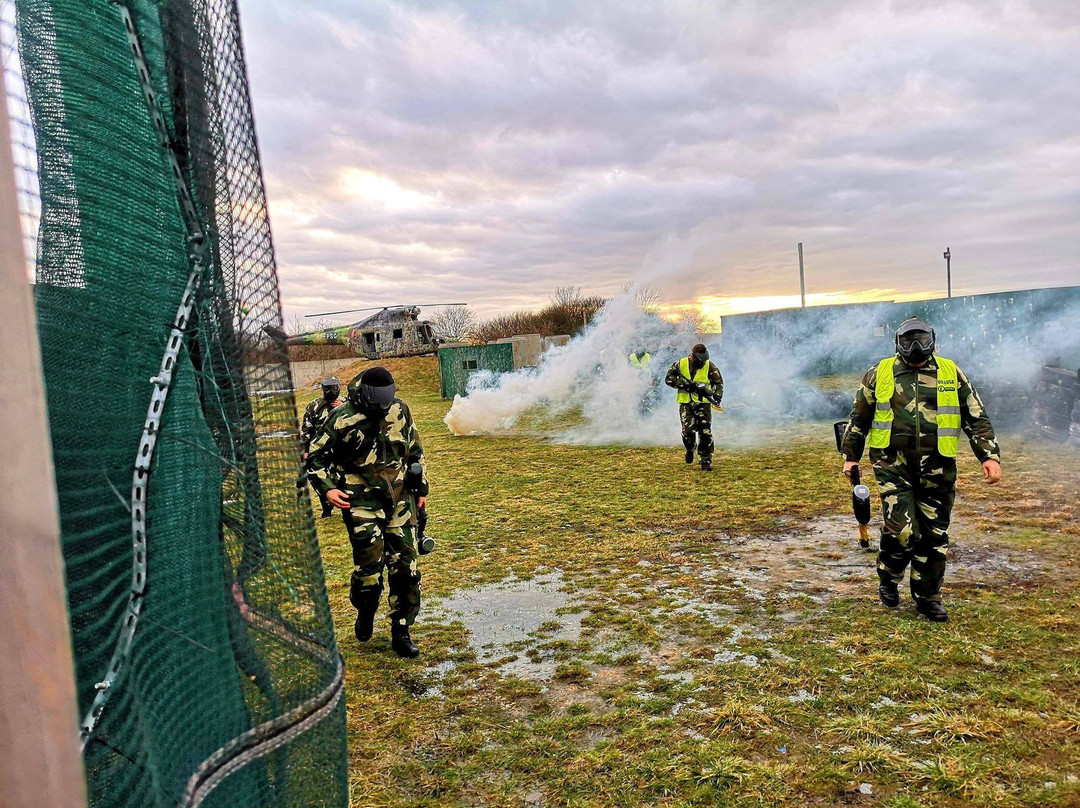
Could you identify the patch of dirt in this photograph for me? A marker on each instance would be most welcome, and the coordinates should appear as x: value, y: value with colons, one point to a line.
x: 825, y: 560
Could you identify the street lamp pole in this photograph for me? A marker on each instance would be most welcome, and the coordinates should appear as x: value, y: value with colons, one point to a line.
x: 948, y: 270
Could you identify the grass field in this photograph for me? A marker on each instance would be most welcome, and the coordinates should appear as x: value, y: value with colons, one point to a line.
x: 714, y: 639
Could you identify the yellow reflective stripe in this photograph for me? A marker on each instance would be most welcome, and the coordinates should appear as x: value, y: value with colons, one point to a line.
x: 884, y: 387
x: 701, y: 377
x: 948, y: 408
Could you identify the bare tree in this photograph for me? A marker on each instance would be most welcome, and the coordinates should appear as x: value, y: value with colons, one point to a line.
x: 648, y: 298
x: 567, y: 296
x: 303, y: 325
x: 455, y: 323
x: 691, y: 322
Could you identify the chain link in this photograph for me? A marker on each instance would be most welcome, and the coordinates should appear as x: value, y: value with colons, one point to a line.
x: 198, y: 258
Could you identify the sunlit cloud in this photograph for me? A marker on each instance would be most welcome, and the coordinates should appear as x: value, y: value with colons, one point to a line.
x: 493, y: 151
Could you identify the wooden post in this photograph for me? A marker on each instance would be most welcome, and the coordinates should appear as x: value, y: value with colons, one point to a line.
x: 802, y: 278
x: 40, y: 762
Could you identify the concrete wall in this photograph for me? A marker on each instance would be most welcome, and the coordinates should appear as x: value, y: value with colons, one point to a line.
x: 305, y: 374
x: 527, y: 350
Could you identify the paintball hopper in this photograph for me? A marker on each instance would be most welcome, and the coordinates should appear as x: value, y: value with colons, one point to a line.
x: 860, y: 494
x: 414, y: 475
x: 839, y: 430
x: 860, y: 505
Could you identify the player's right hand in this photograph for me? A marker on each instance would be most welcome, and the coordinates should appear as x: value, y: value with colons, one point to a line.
x: 338, y: 498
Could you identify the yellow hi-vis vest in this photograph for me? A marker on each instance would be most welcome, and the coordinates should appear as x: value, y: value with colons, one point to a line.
x: 643, y: 362
x: 701, y: 377
x: 948, y: 406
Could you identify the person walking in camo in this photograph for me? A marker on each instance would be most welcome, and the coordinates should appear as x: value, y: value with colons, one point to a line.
x: 692, y: 376
x: 315, y: 415
x: 911, y: 409
x: 358, y: 461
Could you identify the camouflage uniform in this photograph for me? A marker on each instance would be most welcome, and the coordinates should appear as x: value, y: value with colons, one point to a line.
x: 696, y: 419
x: 315, y: 416
x: 917, y: 485
x: 367, y: 459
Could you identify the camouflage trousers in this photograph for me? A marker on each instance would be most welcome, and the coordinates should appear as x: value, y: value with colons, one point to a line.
x: 383, y: 537
x: 697, y: 428
x: 917, y: 495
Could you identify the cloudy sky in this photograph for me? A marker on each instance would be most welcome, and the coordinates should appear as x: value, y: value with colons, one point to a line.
x: 489, y: 150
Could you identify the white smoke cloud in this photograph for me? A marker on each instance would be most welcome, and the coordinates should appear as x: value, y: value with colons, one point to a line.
x: 590, y: 375
x: 588, y: 392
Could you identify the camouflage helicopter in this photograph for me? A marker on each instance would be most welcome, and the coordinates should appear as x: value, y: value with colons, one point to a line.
x: 391, y: 331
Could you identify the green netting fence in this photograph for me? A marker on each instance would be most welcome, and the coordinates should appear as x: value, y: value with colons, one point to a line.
x: 206, y: 664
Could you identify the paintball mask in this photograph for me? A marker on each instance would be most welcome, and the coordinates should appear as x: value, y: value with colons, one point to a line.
x: 915, y: 341
x: 331, y: 387
x: 700, y: 355
x: 414, y: 478
x: 373, y: 391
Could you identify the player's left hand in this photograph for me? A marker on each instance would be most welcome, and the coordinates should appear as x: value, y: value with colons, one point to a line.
x: 991, y: 471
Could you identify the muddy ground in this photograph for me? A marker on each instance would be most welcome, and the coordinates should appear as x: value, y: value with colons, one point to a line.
x: 743, y: 589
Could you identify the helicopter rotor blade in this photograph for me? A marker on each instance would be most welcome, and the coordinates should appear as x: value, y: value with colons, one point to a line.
x: 384, y: 308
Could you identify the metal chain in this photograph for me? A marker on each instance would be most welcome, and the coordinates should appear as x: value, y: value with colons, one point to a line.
x: 197, y: 255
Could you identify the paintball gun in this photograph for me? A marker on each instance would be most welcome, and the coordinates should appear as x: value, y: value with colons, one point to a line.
x: 414, y: 477
x: 694, y: 388
x: 860, y: 494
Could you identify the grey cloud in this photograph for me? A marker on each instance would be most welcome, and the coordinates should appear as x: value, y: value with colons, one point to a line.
x: 523, y: 145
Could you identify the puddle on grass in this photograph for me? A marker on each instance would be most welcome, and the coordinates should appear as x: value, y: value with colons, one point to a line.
x: 502, y: 616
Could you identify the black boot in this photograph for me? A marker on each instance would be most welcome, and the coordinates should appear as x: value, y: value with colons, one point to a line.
x: 690, y: 455
x: 402, y: 643
x: 932, y: 610
x: 889, y: 593
x: 364, y: 626
x: 706, y: 464
x: 366, y: 602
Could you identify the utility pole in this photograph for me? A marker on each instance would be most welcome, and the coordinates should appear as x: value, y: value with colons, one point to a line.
x: 802, y: 278
x: 948, y: 271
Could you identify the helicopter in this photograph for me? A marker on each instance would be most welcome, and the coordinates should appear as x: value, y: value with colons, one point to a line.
x: 392, y: 331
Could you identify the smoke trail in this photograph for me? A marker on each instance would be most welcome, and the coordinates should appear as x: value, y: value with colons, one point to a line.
x: 1001, y: 343
x: 592, y: 375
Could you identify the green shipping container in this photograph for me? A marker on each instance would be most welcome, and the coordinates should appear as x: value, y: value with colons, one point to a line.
x: 458, y: 362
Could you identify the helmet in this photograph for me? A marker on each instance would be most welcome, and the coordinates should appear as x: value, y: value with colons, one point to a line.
x: 700, y: 354
x: 915, y: 340
x: 373, y: 390
x: 330, y: 387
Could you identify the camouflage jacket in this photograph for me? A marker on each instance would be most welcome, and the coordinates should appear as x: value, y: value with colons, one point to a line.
x: 366, y: 458
x: 914, y: 429
x: 675, y: 379
x: 314, y: 417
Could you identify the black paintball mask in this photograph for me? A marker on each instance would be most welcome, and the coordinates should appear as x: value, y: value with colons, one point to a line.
x: 915, y: 341
x: 373, y: 391
x: 699, y: 355
x: 331, y: 387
